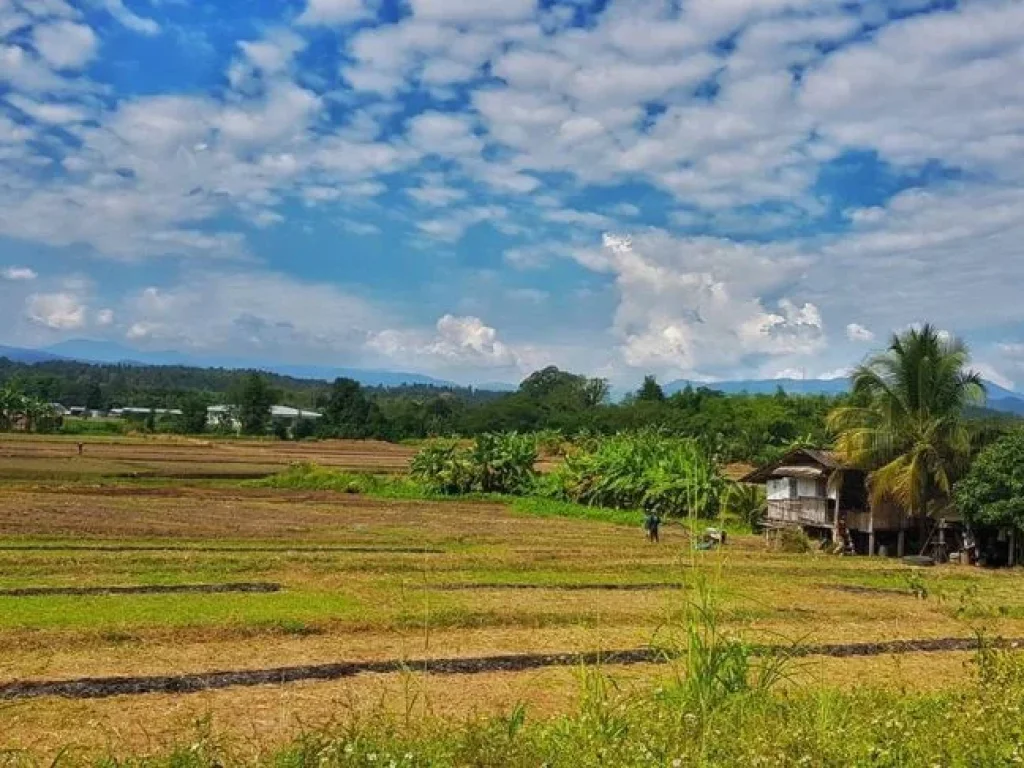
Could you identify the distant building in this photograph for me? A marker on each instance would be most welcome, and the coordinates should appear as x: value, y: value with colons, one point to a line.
x: 224, y: 415
x: 127, y: 413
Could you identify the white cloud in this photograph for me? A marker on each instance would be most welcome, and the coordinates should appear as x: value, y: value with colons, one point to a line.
x: 65, y: 44
x: 58, y: 311
x: 436, y: 195
x: 259, y: 315
x: 857, y: 332
x: 104, y: 317
x: 332, y: 11
x: 18, y: 273
x: 48, y: 112
x: 462, y: 11
x: 935, y: 86
x: 692, y: 306
x: 458, y: 342
x: 130, y: 20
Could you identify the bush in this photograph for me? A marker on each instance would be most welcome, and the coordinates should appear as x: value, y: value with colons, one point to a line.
x: 670, y: 476
x: 746, y: 503
x: 73, y: 426
x: 792, y: 540
x: 495, y: 463
x: 306, y: 476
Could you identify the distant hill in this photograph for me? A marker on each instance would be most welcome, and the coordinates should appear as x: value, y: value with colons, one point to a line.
x: 19, y: 355
x: 767, y: 386
x: 999, y: 398
x: 89, y: 351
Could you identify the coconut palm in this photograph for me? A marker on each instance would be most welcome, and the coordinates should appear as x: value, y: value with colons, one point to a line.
x: 905, y: 424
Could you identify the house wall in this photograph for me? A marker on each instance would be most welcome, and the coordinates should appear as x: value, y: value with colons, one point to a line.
x: 886, y: 518
x: 807, y: 511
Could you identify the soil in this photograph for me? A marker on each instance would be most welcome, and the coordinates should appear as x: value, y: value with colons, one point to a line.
x: 567, y: 587
x: 149, y: 589
x: 102, y: 687
x: 859, y: 590
x: 175, y: 548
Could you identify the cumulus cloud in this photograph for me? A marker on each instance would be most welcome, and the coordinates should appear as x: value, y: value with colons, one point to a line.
x: 457, y: 342
x: 58, y: 311
x: 692, y: 305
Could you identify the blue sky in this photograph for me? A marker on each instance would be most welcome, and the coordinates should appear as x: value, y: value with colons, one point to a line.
x: 695, y: 188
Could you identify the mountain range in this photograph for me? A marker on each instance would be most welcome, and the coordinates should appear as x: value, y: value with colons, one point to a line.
x: 998, y: 398
x: 89, y: 351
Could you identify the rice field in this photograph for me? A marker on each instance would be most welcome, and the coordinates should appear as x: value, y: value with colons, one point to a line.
x: 420, y: 609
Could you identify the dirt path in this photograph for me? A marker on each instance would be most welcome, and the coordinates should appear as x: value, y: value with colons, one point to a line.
x: 101, y: 687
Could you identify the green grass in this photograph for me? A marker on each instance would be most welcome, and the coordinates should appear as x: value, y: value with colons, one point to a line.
x: 307, y: 476
x: 109, y: 612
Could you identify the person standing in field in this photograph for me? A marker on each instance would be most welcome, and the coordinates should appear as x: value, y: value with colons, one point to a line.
x: 652, y: 522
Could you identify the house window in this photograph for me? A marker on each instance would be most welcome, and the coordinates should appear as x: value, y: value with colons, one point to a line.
x: 808, y: 488
x: 780, y: 488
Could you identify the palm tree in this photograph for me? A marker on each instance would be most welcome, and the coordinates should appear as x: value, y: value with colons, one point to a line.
x: 905, y: 424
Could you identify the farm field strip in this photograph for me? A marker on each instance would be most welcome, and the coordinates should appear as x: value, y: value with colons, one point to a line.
x: 195, y: 683
x: 28, y: 456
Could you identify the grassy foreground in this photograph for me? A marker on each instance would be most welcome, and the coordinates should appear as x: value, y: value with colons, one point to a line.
x: 716, y: 707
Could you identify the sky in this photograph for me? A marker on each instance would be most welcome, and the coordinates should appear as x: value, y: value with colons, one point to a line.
x: 474, y: 189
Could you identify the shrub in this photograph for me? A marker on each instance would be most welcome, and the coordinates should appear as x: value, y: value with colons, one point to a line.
x: 496, y: 463
x: 746, y: 503
x: 671, y: 476
x: 306, y: 476
x: 444, y: 467
x: 793, y: 541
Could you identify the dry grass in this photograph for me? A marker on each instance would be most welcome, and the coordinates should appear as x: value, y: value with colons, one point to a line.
x: 55, y: 456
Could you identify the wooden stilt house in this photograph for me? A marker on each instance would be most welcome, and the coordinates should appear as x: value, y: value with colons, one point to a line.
x: 812, y: 489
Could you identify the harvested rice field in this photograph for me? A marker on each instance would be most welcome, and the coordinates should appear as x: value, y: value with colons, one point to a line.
x: 29, y: 456
x: 134, y: 612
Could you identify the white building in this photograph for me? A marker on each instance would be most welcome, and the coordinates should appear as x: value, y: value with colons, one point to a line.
x: 225, y: 414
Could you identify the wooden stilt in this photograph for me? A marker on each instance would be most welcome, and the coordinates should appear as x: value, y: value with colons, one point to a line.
x: 871, y: 531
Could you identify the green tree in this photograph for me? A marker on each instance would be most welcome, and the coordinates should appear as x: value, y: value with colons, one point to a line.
x: 252, y: 399
x: 556, y: 387
x: 349, y: 413
x: 992, y: 492
x: 650, y: 391
x: 193, y: 419
x: 905, y: 424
